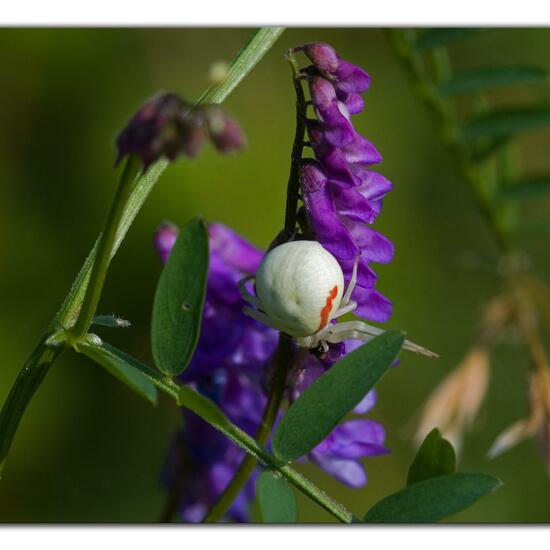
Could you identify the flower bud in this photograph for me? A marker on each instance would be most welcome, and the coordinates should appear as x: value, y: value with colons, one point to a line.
x: 225, y: 133
x: 323, y: 56
x: 164, y: 239
x: 164, y: 126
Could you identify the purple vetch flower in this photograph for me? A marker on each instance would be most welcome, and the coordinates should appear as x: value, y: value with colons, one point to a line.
x: 341, y: 453
x: 167, y: 126
x: 342, y: 196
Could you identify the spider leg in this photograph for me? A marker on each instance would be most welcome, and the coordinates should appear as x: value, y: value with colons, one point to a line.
x: 259, y: 316
x: 336, y: 334
x: 247, y: 296
x: 351, y: 286
x: 360, y: 328
x: 342, y: 310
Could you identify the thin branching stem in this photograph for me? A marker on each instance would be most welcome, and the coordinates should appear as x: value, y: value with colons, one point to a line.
x: 104, y: 248
x: 284, y: 352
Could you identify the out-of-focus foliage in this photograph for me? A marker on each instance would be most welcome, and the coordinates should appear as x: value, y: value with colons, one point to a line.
x: 91, y: 450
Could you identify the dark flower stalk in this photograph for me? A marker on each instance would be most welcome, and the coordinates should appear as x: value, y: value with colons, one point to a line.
x: 288, y: 373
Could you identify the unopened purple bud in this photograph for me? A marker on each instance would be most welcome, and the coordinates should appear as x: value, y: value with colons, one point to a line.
x: 226, y: 134
x: 164, y: 126
x: 164, y: 239
x: 323, y: 56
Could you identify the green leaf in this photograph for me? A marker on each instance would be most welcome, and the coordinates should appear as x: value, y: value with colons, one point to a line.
x: 491, y: 77
x: 276, y: 499
x: 177, y: 310
x: 433, y: 499
x: 526, y: 188
x: 505, y: 122
x: 435, y: 457
x: 111, y: 321
x: 120, y: 365
x: 317, y: 411
x: 433, y: 38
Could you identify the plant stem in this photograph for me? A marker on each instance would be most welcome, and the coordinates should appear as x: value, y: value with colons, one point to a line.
x: 104, y: 248
x: 230, y: 430
x: 293, y: 185
x: 282, y: 361
x: 284, y: 352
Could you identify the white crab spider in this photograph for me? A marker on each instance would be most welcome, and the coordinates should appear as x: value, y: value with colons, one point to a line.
x: 300, y: 290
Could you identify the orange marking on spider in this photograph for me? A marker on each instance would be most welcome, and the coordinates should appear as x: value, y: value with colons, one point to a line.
x: 325, y: 312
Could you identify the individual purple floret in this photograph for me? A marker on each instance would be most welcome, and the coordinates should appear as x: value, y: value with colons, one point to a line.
x: 342, y: 196
x: 167, y: 126
x: 341, y: 453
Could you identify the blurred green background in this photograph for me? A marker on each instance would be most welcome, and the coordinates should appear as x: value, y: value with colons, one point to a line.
x: 89, y: 450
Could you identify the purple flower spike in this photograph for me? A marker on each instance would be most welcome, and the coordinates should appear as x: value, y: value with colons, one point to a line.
x: 341, y: 197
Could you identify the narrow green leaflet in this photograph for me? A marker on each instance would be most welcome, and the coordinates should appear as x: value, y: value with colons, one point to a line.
x: 258, y: 45
x: 433, y: 499
x: 177, y: 309
x: 122, y: 366
x: 435, y: 457
x: 526, y: 188
x: 433, y: 38
x: 276, y: 499
x: 111, y: 321
x: 317, y: 411
x: 492, y: 77
x: 505, y: 122
x: 203, y: 407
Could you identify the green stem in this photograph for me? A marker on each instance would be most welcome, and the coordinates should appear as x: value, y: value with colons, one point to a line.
x: 70, y: 310
x: 427, y: 91
x: 230, y: 430
x: 282, y: 361
x: 104, y: 248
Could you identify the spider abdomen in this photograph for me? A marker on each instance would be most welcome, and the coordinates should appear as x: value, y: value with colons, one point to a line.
x: 300, y: 287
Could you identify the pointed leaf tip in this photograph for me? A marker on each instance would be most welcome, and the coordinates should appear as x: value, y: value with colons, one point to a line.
x: 318, y: 410
x: 276, y: 499
x: 435, y: 457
